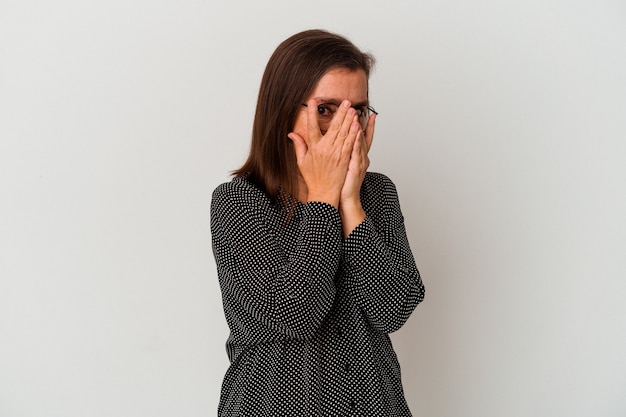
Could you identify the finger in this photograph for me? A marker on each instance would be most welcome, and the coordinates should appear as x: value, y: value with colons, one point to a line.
x: 360, y: 152
x: 340, y: 124
x: 358, y: 145
x: 299, y: 145
x: 364, y: 154
x: 351, y: 138
x: 347, y: 131
x: 369, y: 132
x: 312, y: 126
x: 355, y: 132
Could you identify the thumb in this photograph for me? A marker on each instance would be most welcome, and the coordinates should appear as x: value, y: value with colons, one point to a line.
x: 298, y: 144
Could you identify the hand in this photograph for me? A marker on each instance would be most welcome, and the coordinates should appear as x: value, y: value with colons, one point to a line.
x: 323, y: 160
x: 359, y: 163
x: 350, y: 209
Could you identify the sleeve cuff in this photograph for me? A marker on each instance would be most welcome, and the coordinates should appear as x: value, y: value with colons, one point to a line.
x: 322, y: 211
x: 357, y: 240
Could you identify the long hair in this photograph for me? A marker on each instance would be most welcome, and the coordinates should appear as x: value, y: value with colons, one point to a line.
x: 291, y: 74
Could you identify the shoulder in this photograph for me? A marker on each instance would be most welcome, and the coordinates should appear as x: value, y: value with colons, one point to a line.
x: 238, y: 192
x: 378, y: 185
x: 379, y: 196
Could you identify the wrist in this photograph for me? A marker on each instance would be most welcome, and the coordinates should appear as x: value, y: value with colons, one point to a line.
x: 350, y: 205
x: 352, y: 214
x: 329, y: 198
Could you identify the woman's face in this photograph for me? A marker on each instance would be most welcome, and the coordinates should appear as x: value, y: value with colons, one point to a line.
x: 335, y: 86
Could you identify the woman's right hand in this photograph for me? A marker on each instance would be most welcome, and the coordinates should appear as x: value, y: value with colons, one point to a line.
x: 323, y: 160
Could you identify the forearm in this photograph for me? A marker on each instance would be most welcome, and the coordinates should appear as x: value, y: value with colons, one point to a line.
x: 382, y: 277
x: 282, y: 275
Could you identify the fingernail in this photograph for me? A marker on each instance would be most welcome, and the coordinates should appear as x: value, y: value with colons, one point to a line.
x: 345, y: 103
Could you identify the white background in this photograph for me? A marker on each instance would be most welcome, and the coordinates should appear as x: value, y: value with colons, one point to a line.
x: 503, y: 124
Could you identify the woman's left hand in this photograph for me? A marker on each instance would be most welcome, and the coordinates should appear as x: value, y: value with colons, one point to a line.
x: 352, y: 213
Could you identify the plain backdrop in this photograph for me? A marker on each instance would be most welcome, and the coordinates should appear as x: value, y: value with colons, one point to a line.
x: 502, y: 123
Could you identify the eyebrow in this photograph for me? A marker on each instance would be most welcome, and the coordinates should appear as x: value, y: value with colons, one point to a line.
x: 337, y: 102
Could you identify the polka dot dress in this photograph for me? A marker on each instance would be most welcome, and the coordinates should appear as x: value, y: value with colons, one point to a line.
x: 310, y: 312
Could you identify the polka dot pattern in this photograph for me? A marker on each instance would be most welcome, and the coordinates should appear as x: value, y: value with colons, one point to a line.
x: 309, y: 312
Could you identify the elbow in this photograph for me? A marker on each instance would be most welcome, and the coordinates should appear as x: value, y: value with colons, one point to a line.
x: 392, y: 320
x: 304, y: 323
x: 391, y: 323
x: 303, y: 333
x: 389, y: 326
x: 305, y: 328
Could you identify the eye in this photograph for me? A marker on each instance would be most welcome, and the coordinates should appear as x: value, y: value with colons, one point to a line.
x: 326, y: 110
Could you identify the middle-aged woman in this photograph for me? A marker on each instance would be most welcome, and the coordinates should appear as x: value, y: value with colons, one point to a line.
x: 313, y: 260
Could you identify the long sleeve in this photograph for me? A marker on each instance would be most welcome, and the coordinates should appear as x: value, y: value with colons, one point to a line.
x: 272, y: 289
x: 307, y: 311
x: 379, y: 266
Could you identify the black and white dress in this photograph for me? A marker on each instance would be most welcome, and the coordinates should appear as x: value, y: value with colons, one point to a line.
x: 310, y: 312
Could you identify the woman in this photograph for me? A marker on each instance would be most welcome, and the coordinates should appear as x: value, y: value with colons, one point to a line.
x: 313, y: 261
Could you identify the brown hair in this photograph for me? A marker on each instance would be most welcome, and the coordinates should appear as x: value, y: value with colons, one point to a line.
x: 291, y: 74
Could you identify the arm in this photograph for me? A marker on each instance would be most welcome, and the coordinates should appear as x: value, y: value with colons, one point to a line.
x: 380, y: 270
x: 289, y: 294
